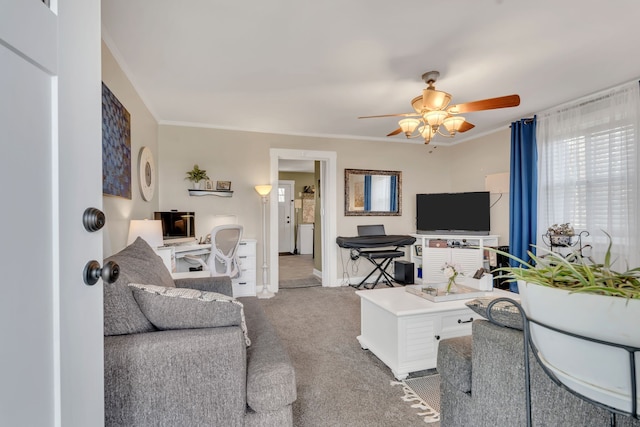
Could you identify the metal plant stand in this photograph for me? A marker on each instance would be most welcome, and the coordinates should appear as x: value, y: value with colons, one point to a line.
x: 528, y: 344
x: 557, y: 242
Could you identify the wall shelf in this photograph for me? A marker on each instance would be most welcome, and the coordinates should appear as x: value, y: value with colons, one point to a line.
x: 210, y: 193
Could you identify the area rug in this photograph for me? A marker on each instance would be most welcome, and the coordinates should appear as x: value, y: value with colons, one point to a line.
x: 423, y: 393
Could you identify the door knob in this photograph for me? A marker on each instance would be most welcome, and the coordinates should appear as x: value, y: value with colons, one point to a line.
x: 92, y: 272
x: 93, y: 219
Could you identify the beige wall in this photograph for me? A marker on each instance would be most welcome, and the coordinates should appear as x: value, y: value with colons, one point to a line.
x: 301, y: 178
x: 144, y: 132
x: 472, y: 161
x: 242, y: 157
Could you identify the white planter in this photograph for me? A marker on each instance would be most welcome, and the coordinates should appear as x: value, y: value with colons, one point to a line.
x: 596, y: 371
x: 196, y: 185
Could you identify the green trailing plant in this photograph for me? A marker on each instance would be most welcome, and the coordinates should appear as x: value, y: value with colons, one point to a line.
x: 196, y: 174
x: 574, y: 273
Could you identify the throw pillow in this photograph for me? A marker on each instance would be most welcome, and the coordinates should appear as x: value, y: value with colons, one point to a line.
x: 184, y: 308
x: 138, y: 264
x: 503, y: 313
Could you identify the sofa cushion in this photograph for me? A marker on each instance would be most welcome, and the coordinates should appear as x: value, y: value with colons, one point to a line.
x: 271, y: 379
x: 182, y: 308
x: 454, y: 362
x: 503, y: 313
x: 138, y: 264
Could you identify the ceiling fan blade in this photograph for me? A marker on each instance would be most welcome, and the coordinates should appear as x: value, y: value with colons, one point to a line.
x: 391, y: 115
x: 466, y: 126
x: 486, y: 104
x: 395, y: 132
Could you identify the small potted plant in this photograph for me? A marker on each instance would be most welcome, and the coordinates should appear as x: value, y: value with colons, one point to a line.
x: 578, y: 295
x: 560, y: 234
x: 196, y: 175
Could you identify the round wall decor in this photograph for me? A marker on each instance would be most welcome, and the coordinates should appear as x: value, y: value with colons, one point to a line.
x: 146, y: 173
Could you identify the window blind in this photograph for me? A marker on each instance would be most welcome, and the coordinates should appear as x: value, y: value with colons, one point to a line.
x: 588, y: 170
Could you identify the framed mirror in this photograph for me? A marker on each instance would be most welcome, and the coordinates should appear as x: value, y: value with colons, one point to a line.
x: 372, y: 193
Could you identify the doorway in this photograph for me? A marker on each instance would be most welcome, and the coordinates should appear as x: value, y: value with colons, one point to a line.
x: 286, y: 220
x: 326, y: 218
x: 298, y: 265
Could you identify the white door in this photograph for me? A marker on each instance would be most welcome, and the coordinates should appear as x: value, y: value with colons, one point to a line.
x: 50, y: 171
x: 286, y: 220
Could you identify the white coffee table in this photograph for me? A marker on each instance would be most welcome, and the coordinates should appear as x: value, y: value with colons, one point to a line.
x: 403, y: 330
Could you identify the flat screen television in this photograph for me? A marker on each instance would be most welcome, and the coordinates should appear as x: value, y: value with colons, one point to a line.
x: 177, y: 227
x: 453, y: 213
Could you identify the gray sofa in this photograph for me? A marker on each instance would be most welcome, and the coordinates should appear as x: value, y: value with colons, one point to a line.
x: 180, y: 362
x: 482, y: 384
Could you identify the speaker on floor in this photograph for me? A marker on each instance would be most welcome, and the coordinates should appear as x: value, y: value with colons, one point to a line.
x: 403, y: 272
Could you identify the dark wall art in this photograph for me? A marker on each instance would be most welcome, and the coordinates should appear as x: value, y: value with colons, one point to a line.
x: 116, y: 146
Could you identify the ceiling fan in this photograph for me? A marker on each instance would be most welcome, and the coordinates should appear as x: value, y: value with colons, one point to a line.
x: 433, y: 114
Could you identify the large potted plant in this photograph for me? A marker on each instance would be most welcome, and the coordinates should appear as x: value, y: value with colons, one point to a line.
x: 196, y: 175
x: 587, y: 298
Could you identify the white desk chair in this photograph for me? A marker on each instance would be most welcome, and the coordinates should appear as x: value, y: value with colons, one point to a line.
x: 223, y: 259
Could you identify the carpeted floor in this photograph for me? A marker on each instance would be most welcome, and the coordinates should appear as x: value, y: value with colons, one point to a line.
x: 339, y: 384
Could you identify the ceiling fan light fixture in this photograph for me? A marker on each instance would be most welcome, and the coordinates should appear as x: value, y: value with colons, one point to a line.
x: 416, y: 103
x: 408, y: 126
x: 453, y: 124
x: 435, y: 99
x: 433, y: 115
x: 435, y: 118
x: 427, y: 133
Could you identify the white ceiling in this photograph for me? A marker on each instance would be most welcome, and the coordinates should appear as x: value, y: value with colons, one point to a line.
x: 312, y: 67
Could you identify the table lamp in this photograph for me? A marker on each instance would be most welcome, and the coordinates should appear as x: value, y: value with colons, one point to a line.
x: 149, y: 230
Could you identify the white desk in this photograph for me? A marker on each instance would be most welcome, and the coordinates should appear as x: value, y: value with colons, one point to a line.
x: 182, y: 250
x: 243, y: 285
x: 403, y: 330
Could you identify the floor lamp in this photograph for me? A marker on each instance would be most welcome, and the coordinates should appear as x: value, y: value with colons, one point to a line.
x: 263, y: 191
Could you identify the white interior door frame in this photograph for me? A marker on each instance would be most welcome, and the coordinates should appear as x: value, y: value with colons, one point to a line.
x: 328, y: 212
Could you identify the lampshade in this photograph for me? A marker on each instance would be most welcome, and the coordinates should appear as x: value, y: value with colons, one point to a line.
x: 435, y: 118
x: 149, y: 230
x: 453, y: 124
x: 435, y: 99
x: 408, y: 126
x: 297, y: 203
x: 263, y: 190
x: 427, y: 133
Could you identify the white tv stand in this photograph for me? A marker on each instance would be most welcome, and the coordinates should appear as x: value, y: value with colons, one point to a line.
x: 434, y: 250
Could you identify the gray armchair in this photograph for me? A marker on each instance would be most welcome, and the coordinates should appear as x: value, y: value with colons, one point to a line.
x: 482, y: 385
x: 195, y: 375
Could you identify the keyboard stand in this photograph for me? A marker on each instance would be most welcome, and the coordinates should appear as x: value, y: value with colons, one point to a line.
x: 381, y: 259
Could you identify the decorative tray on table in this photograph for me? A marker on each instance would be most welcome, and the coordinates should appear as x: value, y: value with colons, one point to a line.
x: 436, y: 292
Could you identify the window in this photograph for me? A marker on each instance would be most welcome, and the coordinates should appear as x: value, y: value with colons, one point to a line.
x: 588, y: 170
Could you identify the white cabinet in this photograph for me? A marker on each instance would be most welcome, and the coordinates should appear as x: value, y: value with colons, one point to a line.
x: 245, y: 284
x: 404, y: 330
x: 467, y: 252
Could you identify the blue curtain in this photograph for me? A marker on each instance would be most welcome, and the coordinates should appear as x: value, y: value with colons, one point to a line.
x: 393, y: 206
x: 523, y: 190
x: 367, y: 193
